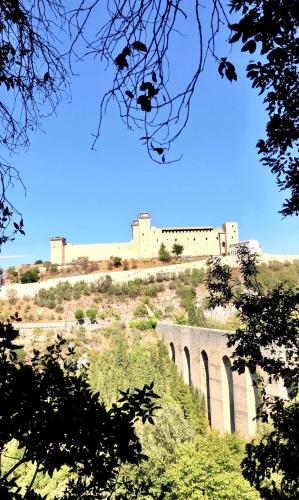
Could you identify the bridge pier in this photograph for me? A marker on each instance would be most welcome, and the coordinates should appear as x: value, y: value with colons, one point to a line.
x: 203, y: 359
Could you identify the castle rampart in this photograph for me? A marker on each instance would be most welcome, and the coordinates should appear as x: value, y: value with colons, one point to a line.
x: 146, y: 241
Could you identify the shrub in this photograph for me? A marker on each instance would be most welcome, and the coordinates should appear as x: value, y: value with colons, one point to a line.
x: 197, y: 276
x: 37, y: 262
x: 79, y: 314
x: 11, y: 296
x: 91, y: 314
x: 12, y: 274
x: 125, y: 265
x: 59, y: 309
x: 177, y: 250
x: 152, y: 291
x: 140, y: 311
x: 164, y: 255
x: 143, y: 324
x: 30, y: 276
x: 116, y: 261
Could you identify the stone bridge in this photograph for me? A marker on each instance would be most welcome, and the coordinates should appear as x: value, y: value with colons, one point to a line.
x: 203, y: 358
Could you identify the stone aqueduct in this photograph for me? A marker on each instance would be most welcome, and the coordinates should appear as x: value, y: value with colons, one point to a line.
x: 203, y: 358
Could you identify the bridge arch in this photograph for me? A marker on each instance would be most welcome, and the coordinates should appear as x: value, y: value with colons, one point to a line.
x: 227, y: 395
x: 172, y: 351
x: 205, y: 381
x: 187, y: 366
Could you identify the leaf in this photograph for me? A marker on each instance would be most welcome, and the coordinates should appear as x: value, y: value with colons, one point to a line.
x: 46, y: 76
x: 160, y: 152
x: 221, y: 67
x: 129, y: 94
x: 235, y: 38
x: 126, y: 51
x: 145, y: 103
x: 250, y: 46
x: 139, y: 46
x: 230, y: 72
x: 121, y: 62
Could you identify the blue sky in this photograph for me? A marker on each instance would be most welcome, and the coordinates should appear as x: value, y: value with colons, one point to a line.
x: 92, y: 196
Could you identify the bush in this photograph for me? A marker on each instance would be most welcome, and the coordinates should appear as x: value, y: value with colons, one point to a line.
x: 38, y: 262
x: 197, y: 276
x: 11, y: 296
x: 125, y: 265
x: 116, y: 261
x: 79, y: 314
x: 152, y: 291
x: 143, y: 324
x: 177, y: 249
x: 30, y: 276
x: 140, y: 311
x: 164, y: 255
x: 91, y: 314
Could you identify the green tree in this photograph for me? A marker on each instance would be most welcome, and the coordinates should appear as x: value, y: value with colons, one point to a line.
x: 209, y: 468
x: 164, y: 255
x: 79, y: 315
x: 91, y: 314
x: 30, y: 276
x: 49, y: 409
x: 268, y: 340
x: 177, y: 250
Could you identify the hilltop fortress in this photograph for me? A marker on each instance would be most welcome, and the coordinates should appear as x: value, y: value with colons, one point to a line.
x: 146, y: 241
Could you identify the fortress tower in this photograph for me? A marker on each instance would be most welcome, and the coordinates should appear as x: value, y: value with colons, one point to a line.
x: 147, y: 239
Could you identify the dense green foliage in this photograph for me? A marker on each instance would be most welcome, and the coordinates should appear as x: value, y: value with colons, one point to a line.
x: 209, y: 467
x: 177, y: 249
x: 52, y: 419
x: 164, y: 254
x: 180, y: 424
x: 268, y: 340
x: 30, y: 276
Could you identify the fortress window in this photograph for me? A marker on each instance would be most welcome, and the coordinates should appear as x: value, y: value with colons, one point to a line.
x: 207, y: 239
x: 193, y: 239
x: 223, y: 244
x: 217, y: 238
x: 175, y: 239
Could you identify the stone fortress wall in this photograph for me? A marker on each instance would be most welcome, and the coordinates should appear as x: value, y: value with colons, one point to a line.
x: 146, y: 241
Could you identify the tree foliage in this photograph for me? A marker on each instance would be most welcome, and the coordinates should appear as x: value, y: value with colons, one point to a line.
x: 164, y: 254
x: 267, y: 341
x: 49, y: 408
x: 135, y: 40
x: 177, y: 249
x: 271, y: 28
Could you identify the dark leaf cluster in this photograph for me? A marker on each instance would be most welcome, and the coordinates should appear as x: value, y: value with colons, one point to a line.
x: 267, y: 342
x: 271, y: 28
x: 48, y: 406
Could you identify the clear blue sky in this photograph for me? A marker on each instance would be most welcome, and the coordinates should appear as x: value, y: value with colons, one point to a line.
x: 91, y: 197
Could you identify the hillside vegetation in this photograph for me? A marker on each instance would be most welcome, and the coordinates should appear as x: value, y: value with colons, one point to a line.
x: 179, y: 299
x: 185, y: 458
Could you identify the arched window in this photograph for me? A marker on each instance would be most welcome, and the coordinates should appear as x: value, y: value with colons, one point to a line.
x: 186, y: 366
x: 227, y: 395
x: 205, y: 381
x: 172, y: 352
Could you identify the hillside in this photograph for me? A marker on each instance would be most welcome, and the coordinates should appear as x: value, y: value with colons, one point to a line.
x: 177, y: 298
